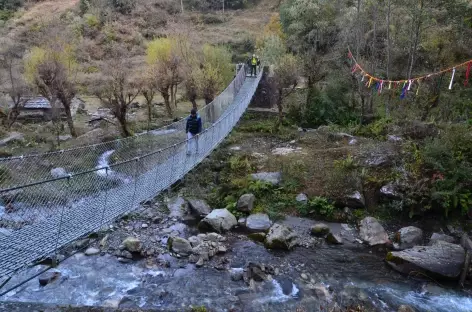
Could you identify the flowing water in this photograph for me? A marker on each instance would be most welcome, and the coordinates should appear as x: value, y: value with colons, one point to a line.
x: 352, y: 275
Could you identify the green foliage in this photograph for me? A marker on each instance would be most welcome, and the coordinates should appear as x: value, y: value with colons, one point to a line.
x: 345, y: 164
x: 320, y: 206
x: 10, y: 5
x: 84, y: 6
x: 122, y: 6
x: 376, y: 130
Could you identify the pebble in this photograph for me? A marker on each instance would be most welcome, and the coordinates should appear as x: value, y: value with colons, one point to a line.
x: 221, y: 249
x: 144, y: 226
x: 304, y: 276
x: 124, y: 260
x: 199, y: 263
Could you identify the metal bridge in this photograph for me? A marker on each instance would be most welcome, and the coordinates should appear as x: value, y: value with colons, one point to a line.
x: 52, y: 199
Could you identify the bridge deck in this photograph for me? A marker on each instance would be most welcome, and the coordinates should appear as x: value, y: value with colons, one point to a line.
x: 84, y: 215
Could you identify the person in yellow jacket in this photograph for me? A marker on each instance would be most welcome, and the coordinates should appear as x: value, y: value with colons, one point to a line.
x: 253, y: 62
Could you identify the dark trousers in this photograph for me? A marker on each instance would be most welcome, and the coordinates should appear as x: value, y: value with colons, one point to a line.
x: 253, y: 70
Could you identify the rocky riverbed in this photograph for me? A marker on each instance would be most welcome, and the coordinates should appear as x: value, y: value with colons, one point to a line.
x: 157, y: 259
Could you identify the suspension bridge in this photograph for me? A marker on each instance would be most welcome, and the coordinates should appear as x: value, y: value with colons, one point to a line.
x: 91, y: 186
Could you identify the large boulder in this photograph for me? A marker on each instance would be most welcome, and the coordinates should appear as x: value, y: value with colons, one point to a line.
x: 132, y: 244
x: 219, y: 220
x: 280, y: 237
x: 372, y: 232
x: 443, y: 260
x: 199, y: 207
x: 179, y: 245
x: 246, y: 203
x: 320, y: 229
x: 270, y: 177
x: 440, y: 237
x: 258, y: 222
x: 408, y: 237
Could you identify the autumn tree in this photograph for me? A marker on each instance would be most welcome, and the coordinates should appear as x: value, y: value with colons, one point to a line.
x: 149, y: 90
x: 116, y: 89
x: 52, y: 71
x: 166, y: 66
x: 15, y: 85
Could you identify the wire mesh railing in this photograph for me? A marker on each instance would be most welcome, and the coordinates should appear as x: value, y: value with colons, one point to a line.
x: 44, y: 213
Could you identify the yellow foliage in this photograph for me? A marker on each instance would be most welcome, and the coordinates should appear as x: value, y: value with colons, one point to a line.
x: 160, y: 50
x: 273, y: 28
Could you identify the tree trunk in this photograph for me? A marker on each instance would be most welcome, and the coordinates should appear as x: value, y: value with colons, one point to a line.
x: 417, y: 33
x: 175, y: 95
x: 166, y: 97
x: 70, y: 121
x: 12, y: 116
x: 121, y: 116
x: 194, y: 103
x: 172, y: 95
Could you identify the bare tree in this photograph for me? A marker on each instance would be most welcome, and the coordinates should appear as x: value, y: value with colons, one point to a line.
x: 149, y: 90
x: 15, y: 85
x: 117, y: 91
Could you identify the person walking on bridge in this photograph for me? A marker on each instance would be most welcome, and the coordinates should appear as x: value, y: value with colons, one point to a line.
x: 193, y: 129
x: 253, y: 62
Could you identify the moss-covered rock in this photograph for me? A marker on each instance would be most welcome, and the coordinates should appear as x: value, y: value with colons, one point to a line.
x: 281, y: 237
x: 320, y: 229
x: 257, y: 237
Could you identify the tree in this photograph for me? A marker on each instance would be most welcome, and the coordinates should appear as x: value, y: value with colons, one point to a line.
x: 166, y: 66
x: 117, y: 90
x: 149, y: 89
x: 15, y: 85
x: 285, y: 80
x: 214, y: 73
x: 52, y: 70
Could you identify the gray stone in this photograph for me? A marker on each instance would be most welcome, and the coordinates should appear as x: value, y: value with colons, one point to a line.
x: 280, y: 237
x: 258, y: 222
x: 408, y: 237
x: 92, y: 251
x: 12, y: 137
x: 242, y: 222
x: 394, y: 138
x: 389, y: 191
x: 271, y: 177
x: 213, y: 237
x: 246, y: 203
x: 132, y: 244
x: 58, y: 173
x: 179, y: 245
x: 455, y: 230
x: 236, y: 275
x: 221, y: 249
x: 372, y: 232
x: 199, y: 207
x: 355, y: 200
x: 194, y: 241
x: 320, y: 229
x: 441, y: 259
x: 334, y: 239
x: 466, y: 243
x: 124, y: 260
x: 48, y: 277
x: 405, y: 308
x: 440, y: 237
x: 126, y: 254
x: 64, y: 138
x: 302, y: 198
x: 219, y: 220
x: 322, y: 293
x: 200, y: 263
x: 177, y: 206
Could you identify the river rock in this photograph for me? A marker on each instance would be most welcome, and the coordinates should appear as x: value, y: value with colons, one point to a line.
x: 390, y: 192
x: 48, y: 277
x: 236, y: 274
x: 334, y: 239
x: 258, y: 222
x: 199, y: 207
x: 12, y: 137
x: 194, y: 241
x: 273, y: 178
x: 322, y: 292
x: 219, y: 220
x: 355, y: 200
x: 408, y: 237
x: 246, y: 203
x: 320, y: 229
x: 179, y: 245
x: 255, y: 272
x: 132, y: 244
x: 302, y: 198
x: 92, y: 251
x: 58, y: 172
x: 200, y: 263
x: 441, y: 259
x: 280, y: 237
x: 372, y: 232
x: 257, y: 237
x: 440, y: 237
x: 405, y: 308
x: 466, y: 242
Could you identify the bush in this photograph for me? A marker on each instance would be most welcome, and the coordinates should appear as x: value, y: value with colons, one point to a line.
x: 213, y: 19
x: 122, y: 6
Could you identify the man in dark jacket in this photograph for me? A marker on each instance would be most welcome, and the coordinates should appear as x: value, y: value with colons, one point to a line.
x: 193, y: 129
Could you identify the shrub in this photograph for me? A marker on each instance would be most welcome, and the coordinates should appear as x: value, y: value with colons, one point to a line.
x: 122, y: 6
